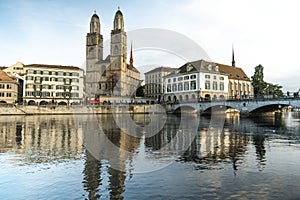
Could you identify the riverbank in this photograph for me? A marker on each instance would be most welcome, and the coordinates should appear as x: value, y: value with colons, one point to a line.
x: 71, y: 110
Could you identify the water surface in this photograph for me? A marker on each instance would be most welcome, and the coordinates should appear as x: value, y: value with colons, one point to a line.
x: 106, y: 157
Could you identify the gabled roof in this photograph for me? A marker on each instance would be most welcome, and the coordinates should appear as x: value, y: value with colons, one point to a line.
x: 233, y: 72
x: 5, y: 77
x: 203, y: 66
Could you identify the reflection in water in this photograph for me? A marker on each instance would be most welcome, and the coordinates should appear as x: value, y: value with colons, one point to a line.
x: 111, y: 155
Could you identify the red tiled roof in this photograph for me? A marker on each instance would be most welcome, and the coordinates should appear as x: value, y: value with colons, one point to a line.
x: 5, y: 77
x: 233, y: 72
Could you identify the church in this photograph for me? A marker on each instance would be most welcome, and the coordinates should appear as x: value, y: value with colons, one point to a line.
x: 111, y: 76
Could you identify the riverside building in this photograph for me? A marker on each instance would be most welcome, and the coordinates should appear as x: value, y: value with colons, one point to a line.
x: 8, y: 88
x: 53, y: 84
x: 154, y: 84
x: 203, y: 80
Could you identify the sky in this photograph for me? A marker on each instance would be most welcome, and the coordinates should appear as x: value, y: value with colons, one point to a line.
x: 261, y: 31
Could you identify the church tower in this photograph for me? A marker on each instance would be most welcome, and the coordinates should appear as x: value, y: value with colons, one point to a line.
x: 118, y: 49
x: 94, y: 54
x: 94, y: 41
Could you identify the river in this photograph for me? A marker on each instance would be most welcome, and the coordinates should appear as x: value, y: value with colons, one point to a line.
x: 151, y: 156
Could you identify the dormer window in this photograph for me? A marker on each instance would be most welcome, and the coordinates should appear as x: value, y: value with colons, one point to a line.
x: 216, y: 68
x: 188, y: 67
x: 208, y: 67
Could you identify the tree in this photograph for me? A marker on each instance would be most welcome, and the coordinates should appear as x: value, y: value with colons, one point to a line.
x: 140, y: 91
x: 258, y: 83
x: 112, y: 83
x: 263, y: 88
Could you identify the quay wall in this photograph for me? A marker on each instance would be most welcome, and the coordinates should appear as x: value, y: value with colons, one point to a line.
x: 70, y: 110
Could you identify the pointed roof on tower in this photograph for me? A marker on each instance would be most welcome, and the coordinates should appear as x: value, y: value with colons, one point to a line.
x: 131, y: 56
x: 233, y: 61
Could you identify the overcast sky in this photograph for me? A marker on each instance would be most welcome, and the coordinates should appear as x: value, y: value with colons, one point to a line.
x: 262, y: 31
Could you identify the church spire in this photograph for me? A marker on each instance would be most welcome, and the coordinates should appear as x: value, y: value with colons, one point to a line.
x: 131, y: 57
x: 233, y: 61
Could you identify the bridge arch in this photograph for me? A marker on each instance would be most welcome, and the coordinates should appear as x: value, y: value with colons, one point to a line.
x: 184, y: 109
x: 219, y: 107
x: 268, y: 108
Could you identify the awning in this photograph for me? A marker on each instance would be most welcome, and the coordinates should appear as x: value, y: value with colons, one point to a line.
x: 93, y: 101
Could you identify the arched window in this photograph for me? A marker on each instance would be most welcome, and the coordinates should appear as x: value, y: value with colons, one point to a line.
x: 186, y: 97
x: 180, y: 98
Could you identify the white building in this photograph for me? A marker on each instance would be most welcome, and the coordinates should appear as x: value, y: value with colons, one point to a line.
x: 154, y: 85
x: 195, y: 81
x: 55, y: 84
x: 201, y: 79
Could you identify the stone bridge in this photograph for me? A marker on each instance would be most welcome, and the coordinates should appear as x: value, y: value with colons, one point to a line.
x: 244, y: 106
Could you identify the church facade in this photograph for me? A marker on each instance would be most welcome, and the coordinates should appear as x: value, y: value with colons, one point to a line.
x: 111, y: 76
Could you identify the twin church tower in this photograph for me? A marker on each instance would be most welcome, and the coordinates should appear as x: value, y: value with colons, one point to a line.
x: 111, y: 76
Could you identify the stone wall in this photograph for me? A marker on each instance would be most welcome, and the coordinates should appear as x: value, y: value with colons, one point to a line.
x: 69, y: 110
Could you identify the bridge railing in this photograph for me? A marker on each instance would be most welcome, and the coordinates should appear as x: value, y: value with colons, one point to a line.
x: 234, y: 98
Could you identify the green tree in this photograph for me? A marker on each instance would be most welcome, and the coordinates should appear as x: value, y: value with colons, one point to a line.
x: 140, y: 91
x: 263, y: 88
x: 275, y: 90
x: 258, y: 83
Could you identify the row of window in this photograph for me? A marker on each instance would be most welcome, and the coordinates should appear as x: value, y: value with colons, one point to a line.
x: 57, y: 73
x: 181, y: 78
x: 50, y: 87
x: 153, y: 76
x: 8, y: 86
x: 51, y: 94
x: 40, y: 79
x: 182, y: 86
x: 215, y: 77
x: 152, y: 91
x: 215, y: 85
x: 3, y: 94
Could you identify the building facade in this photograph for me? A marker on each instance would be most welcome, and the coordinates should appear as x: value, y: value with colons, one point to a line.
x: 195, y: 81
x: 239, y: 84
x: 154, y: 84
x: 17, y: 68
x: 53, y: 84
x: 203, y: 80
x: 8, y: 88
x: 111, y: 76
x: 17, y: 72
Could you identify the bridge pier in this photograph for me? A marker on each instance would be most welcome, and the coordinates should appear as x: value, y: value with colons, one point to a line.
x: 244, y: 112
